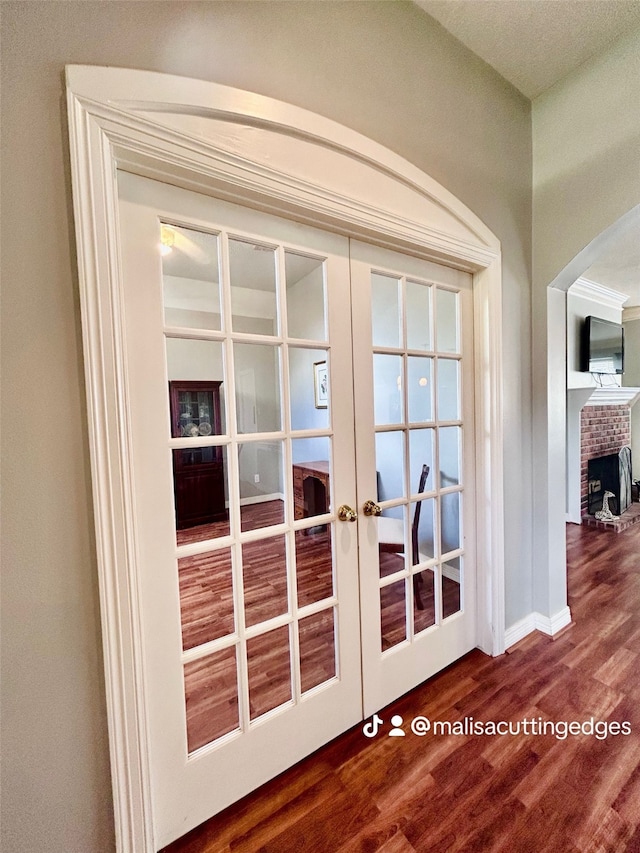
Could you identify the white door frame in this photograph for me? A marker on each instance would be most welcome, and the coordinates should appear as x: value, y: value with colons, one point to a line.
x: 276, y: 157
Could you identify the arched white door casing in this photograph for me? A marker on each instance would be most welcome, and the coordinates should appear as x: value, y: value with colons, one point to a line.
x: 274, y: 157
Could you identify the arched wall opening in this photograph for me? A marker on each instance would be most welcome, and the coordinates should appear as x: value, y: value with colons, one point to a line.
x: 550, y: 389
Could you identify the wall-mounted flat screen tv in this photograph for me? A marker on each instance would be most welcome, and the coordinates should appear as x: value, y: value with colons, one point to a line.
x: 602, y: 346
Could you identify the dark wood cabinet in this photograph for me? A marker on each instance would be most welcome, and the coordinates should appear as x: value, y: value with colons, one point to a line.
x: 198, y: 472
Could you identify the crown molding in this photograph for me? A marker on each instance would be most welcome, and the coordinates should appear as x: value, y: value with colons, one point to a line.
x: 598, y: 293
x: 629, y: 314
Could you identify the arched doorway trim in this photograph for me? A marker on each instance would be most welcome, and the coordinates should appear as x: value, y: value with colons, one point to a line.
x: 276, y: 157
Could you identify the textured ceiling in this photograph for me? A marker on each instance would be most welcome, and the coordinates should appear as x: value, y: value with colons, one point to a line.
x: 535, y: 43
x: 619, y: 267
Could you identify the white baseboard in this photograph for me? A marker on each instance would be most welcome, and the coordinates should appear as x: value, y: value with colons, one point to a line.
x: 519, y: 630
x: 549, y: 625
x: 259, y: 499
x: 451, y: 572
x: 552, y: 624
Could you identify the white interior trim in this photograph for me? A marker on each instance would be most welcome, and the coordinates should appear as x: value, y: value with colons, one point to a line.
x: 598, y: 293
x: 617, y: 395
x: 260, y: 499
x: 519, y: 630
x: 551, y: 625
x: 537, y: 622
x: 629, y: 314
x: 187, y: 132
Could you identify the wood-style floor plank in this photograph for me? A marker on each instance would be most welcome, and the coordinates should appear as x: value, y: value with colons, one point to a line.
x: 482, y: 794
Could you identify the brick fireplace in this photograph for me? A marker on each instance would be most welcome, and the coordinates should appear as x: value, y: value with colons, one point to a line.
x: 604, y: 431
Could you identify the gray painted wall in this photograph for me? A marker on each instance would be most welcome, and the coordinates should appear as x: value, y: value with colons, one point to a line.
x: 586, y: 139
x: 631, y: 379
x: 384, y: 69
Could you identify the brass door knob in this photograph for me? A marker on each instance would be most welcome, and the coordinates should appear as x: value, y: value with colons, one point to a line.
x: 345, y: 513
x: 371, y: 508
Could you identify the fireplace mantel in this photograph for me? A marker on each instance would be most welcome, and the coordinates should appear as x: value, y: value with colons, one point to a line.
x: 614, y: 396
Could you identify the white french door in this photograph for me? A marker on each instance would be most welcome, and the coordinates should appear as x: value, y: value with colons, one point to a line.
x: 251, y: 619
x: 270, y: 621
x: 413, y: 368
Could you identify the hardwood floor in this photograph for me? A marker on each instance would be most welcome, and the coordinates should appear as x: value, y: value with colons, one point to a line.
x: 515, y: 794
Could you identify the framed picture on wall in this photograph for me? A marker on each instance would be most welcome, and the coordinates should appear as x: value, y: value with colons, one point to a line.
x: 321, y: 384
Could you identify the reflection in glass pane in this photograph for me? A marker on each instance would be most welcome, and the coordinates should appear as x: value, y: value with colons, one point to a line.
x: 387, y: 389
x: 264, y: 573
x: 385, y: 311
x: 390, y: 465
x: 261, y: 483
x: 257, y: 382
x: 306, y: 309
x: 252, y: 271
x: 450, y: 522
x: 420, y: 453
x: 188, y: 362
x: 311, y: 477
x: 197, y: 410
x: 302, y: 383
x: 190, y: 281
x: 418, y: 313
x: 393, y: 614
x: 451, y: 587
x: 419, y: 385
x: 424, y: 610
x: 201, y: 494
x: 448, y: 390
x: 422, y: 523
x: 314, y: 564
x: 269, y: 664
x: 391, y: 562
x: 447, y: 324
x: 317, y: 649
x: 206, y: 597
x: 391, y: 540
x: 449, y: 456
x: 211, y: 697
